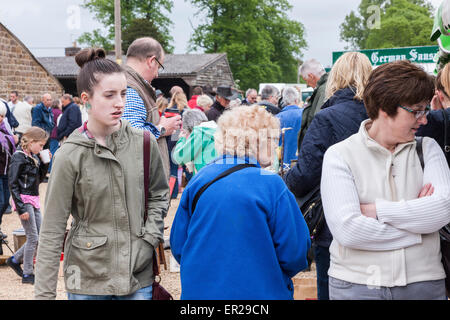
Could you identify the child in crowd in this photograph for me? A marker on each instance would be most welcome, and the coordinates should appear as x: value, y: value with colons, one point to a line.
x: 26, y: 171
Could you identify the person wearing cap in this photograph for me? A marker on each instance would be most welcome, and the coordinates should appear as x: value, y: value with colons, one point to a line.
x: 223, y: 96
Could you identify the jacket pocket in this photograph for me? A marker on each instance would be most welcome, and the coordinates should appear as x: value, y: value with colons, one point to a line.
x: 91, y: 255
x: 144, y: 255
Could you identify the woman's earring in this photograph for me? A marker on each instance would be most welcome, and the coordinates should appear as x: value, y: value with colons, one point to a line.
x: 88, y: 105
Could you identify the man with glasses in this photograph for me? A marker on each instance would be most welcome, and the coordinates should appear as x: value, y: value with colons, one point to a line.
x: 145, y: 58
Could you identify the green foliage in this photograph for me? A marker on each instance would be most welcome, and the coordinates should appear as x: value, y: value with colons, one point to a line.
x: 133, y: 15
x: 143, y: 28
x: 96, y: 40
x: 403, y: 23
x: 261, y: 42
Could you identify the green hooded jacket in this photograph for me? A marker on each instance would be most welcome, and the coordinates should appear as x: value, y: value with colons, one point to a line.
x: 109, y: 249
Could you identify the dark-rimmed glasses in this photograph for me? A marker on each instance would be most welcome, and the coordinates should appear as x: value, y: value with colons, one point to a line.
x: 418, y: 113
x: 161, y: 67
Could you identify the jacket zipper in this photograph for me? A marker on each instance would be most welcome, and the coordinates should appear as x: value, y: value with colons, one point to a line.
x: 26, y: 178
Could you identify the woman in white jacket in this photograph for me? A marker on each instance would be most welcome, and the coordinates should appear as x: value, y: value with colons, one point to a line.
x: 383, y: 210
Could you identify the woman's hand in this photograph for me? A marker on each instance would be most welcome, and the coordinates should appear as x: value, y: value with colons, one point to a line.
x: 369, y: 210
x: 426, y: 191
x: 24, y: 216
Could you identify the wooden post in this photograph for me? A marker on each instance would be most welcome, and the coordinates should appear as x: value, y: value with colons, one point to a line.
x: 118, y: 32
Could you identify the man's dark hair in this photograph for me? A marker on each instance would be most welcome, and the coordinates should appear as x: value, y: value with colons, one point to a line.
x: 143, y: 48
x: 396, y: 83
x: 15, y: 92
x: 197, y: 91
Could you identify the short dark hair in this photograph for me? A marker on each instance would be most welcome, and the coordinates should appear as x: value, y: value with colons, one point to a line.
x: 197, y: 91
x: 396, y: 83
x: 15, y: 92
x: 143, y: 48
x: 93, y: 63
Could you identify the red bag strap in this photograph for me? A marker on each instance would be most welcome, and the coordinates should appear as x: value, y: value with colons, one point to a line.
x: 146, y: 169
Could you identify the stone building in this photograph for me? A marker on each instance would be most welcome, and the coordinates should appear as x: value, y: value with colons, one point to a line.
x: 21, y: 71
x: 184, y: 70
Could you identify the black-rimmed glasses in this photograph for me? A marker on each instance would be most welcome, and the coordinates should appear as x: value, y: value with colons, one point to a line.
x: 161, y: 67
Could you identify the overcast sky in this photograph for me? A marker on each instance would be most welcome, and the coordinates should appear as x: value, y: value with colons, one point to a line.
x: 47, y: 26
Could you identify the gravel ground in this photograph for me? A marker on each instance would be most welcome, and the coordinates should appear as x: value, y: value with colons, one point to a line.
x: 13, y: 289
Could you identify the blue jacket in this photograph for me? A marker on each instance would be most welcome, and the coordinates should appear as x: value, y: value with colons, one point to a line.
x: 246, y: 239
x: 42, y: 117
x: 290, y: 117
x: 435, y: 129
x: 340, y: 117
x: 70, y: 120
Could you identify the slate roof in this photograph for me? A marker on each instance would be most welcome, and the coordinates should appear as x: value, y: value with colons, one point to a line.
x: 174, y: 64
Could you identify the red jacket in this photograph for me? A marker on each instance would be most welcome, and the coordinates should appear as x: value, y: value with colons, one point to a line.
x: 193, y: 102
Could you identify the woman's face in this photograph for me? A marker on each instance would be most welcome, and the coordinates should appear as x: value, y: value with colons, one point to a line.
x: 108, y: 100
x: 1, y: 118
x: 404, y: 125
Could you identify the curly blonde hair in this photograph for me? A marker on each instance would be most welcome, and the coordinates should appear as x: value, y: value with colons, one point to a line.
x: 352, y: 69
x: 242, y: 131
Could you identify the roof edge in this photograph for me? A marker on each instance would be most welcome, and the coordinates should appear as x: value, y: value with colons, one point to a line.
x: 32, y: 55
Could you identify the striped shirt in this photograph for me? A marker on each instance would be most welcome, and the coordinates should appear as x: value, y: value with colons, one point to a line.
x: 136, y: 113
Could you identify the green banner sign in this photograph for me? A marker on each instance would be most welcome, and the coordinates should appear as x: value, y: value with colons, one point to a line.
x: 414, y: 54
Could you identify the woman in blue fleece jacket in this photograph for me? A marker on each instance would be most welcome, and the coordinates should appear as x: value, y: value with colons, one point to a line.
x: 247, y: 237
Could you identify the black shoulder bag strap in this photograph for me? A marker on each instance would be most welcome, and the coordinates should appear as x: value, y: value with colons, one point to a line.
x: 419, y: 150
x: 222, y: 175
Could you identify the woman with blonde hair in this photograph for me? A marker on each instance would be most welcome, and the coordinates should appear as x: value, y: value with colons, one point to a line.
x: 339, y: 118
x: 177, y: 105
x: 240, y: 235
x: 178, y: 101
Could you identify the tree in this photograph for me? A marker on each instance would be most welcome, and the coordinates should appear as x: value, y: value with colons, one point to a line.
x: 402, y: 23
x: 133, y: 15
x: 261, y: 42
x: 141, y: 28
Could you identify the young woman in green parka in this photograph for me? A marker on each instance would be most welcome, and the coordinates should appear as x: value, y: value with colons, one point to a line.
x: 97, y: 178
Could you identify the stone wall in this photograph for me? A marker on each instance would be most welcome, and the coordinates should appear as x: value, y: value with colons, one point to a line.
x: 21, y: 72
x: 218, y: 73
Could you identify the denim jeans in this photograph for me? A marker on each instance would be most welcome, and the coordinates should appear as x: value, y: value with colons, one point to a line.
x: 141, y: 294
x: 53, y: 146
x: 31, y: 226
x: 425, y: 290
x: 322, y: 258
x: 4, y: 195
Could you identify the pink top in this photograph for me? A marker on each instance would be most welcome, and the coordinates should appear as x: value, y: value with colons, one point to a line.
x: 33, y: 200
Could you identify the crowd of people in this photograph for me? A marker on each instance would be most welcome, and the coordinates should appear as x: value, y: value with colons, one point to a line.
x: 372, y: 143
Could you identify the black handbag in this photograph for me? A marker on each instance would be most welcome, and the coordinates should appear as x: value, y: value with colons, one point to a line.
x: 311, y: 207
